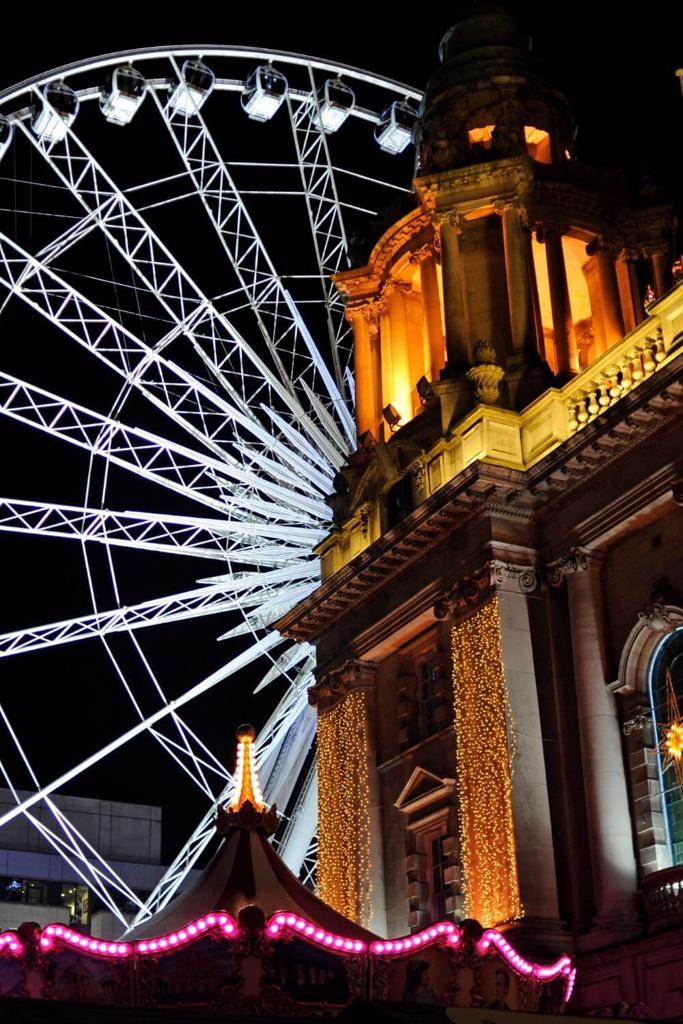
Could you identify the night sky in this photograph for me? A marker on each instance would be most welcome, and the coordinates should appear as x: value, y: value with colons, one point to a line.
x: 617, y: 71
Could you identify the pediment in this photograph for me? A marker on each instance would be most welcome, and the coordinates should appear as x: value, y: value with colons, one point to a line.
x: 422, y: 789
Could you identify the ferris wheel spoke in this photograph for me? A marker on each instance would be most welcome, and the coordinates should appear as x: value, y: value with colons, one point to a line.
x: 268, y: 590
x: 269, y: 740
x: 288, y: 659
x: 183, y: 301
x: 295, y: 842
x: 192, y: 474
x: 146, y: 531
x: 240, y: 661
x: 177, y: 393
x: 178, y: 607
x: 277, y: 315
x: 71, y: 844
x: 326, y: 222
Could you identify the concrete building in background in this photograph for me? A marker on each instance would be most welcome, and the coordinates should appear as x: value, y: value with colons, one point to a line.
x: 36, y: 884
x: 499, y: 629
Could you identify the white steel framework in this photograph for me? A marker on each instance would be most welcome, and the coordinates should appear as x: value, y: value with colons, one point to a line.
x: 210, y: 404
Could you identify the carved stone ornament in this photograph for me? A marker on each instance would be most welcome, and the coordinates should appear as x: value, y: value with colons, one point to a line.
x: 485, y: 377
x: 353, y: 674
x: 494, y: 575
x: 419, y: 475
x: 658, y: 616
x: 576, y: 560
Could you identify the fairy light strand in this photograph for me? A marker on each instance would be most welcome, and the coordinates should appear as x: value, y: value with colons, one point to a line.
x: 344, y: 809
x: 484, y: 777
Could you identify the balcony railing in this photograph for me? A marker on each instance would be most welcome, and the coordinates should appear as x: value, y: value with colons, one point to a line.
x: 663, y: 899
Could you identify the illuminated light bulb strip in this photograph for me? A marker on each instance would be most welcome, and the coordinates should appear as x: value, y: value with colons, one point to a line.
x: 296, y: 925
x: 542, y: 972
x: 444, y: 931
x: 9, y: 941
x: 483, y: 766
x: 571, y: 978
x: 344, y: 809
x: 145, y: 947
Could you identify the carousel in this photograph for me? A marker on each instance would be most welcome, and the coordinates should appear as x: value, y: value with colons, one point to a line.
x: 247, y: 938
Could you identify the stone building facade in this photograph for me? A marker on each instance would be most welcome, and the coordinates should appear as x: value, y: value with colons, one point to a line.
x: 503, y: 584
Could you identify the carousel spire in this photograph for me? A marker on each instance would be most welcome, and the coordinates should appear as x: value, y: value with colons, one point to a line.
x: 247, y: 809
x: 247, y: 785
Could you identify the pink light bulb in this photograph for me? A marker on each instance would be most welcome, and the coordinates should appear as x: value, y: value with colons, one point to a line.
x: 280, y: 919
x: 201, y: 924
x: 142, y: 947
x: 320, y: 936
x: 328, y: 940
x: 153, y: 945
x: 211, y: 920
x: 193, y: 929
x: 273, y: 929
x: 309, y: 929
x: 173, y: 940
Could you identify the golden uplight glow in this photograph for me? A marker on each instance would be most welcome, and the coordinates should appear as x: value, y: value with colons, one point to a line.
x: 247, y: 785
x: 671, y: 745
x: 344, y: 809
x: 484, y: 777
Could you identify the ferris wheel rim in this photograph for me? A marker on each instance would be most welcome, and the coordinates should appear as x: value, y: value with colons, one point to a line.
x: 107, y: 60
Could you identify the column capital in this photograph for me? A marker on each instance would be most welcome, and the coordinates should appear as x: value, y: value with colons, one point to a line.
x: 354, y: 674
x: 575, y: 560
x: 369, y: 310
x: 426, y: 252
x: 492, y: 577
x: 549, y: 227
x: 394, y: 284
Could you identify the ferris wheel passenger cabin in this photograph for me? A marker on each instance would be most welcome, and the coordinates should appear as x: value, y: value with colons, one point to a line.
x: 123, y: 95
x: 264, y: 91
x: 6, y: 135
x: 395, y: 129
x: 336, y: 100
x: 194, y: 88
x: 55, y: 113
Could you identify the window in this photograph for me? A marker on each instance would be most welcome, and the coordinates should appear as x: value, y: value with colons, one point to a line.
x: 429, y: 696
x: 668, y: 665
x: 399, y: 500
x: 439, y: 889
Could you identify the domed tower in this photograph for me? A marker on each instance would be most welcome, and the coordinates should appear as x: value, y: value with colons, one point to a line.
x: 519, y: 266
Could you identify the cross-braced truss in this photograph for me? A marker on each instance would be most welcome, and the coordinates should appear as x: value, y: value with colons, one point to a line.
x: 181, y: 335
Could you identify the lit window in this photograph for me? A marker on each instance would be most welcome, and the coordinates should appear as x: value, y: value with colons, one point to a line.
x: 482, y: 136
x: 537, y: 144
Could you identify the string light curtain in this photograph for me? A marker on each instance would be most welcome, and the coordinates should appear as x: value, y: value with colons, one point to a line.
x: 484, y: 777
x: 344, y: 808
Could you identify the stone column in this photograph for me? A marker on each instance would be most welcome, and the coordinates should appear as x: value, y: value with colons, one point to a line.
x: 366, y: 353
x: 455, y: 295
x: 610, y: 303
x: 398, y: 381
x: 431, y: 301
x: 517, y: 276
x: 602, y: 763
x: 629, y: 291
x: 563, y: 328
x: 661, y: 276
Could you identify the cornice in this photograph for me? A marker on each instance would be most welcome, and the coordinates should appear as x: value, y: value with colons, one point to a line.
x: 483, y: 489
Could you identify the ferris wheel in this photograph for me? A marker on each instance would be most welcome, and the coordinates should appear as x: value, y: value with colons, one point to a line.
x: 171, y: 219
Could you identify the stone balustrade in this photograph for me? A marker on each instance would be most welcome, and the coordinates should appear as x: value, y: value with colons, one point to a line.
x: 663, y: 899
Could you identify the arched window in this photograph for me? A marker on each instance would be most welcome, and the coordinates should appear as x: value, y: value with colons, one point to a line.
x: 668, y: 663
